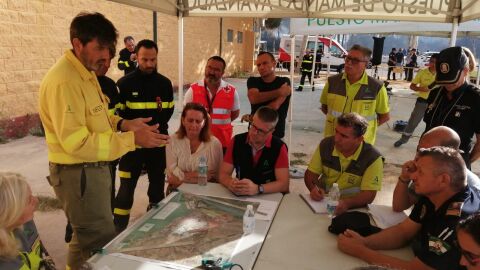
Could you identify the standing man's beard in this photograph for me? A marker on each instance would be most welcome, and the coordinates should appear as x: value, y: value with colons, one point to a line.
x: 148, y: 70
x: 212, y: 79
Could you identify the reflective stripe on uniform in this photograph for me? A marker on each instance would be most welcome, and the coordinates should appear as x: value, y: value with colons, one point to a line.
x: 104, y: 145
x: 50, y: 137
x: 220, y: 111
x: 112, y: 111
x: 120, y: 106
x: 142, y: 105
x: 307, y: 61
x: 121, y: 212
x: 221, y: 121
x: 124, y: 174
x: 75, y: 138
x: 350, y: 191
x: 168, y: 105
x: 124, y: 62
x: 148, y: 105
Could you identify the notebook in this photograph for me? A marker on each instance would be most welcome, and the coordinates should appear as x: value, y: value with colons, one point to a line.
x: 318, y: 207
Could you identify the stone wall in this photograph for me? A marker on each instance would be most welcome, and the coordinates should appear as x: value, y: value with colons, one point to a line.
x: 34, y: 34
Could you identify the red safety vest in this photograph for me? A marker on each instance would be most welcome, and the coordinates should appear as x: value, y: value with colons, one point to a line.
x: 219, y: 108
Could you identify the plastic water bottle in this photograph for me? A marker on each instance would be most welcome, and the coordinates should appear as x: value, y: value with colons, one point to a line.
x: 202, y: 171
x: 249, y: 220
x: 333, y: 198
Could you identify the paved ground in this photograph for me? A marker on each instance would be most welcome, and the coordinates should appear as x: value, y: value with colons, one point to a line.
x: 28, y: 156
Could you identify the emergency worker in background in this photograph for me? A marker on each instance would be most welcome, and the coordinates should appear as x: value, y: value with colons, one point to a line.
x: 127, y: 61
x: 306, y: 69
x: 143, y: 93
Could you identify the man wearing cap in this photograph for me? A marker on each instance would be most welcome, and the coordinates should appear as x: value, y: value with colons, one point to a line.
x: 346, y: 159
x: 421, y: 84
x: 355, y: 91
x: 456, y: 103
x: 219, y: 98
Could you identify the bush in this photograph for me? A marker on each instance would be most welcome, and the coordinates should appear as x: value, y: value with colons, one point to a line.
x: 19, y: 127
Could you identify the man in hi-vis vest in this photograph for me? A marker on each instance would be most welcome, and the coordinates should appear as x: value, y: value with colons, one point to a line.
x: 218, y: 97
x: 356, y: 166
x: 355, y: 91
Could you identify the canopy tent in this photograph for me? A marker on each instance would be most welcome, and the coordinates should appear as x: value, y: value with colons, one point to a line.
x: 326, y: 26
x: 440, y: 11
x: 401, y: 10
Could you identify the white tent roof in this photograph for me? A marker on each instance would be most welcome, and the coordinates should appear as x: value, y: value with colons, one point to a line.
x: 345, y: 26
x: 403, y: 10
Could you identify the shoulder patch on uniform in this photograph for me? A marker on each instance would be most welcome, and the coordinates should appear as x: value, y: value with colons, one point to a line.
x: 69, y: 109
x: 454, y: 209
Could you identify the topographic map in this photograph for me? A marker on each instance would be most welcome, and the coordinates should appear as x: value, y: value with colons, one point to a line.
x: 186, y: 229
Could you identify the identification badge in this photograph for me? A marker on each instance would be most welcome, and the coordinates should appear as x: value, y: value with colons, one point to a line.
x: 437, y: 245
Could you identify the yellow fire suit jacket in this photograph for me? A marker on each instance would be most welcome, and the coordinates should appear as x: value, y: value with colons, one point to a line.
x: 74, y: 113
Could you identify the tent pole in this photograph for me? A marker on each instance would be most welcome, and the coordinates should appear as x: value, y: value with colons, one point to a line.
x: 180, y: 58
x: 453, y: 37
x: 290, y: 109
x: 314, y: 65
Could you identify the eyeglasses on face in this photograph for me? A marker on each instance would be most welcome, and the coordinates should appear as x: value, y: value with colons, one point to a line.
x: 354, y: 60
x: 260, y: 131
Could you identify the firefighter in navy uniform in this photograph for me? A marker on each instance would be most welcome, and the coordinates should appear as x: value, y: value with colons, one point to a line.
x: 127, y: 60
x: 145, y: 93
x: 306, y: 68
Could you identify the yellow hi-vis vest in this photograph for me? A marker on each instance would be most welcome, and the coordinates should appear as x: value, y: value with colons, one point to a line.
x: 351, y: 178
x: 364, y: 103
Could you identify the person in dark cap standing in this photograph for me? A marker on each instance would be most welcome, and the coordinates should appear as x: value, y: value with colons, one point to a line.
x: 456, y: 103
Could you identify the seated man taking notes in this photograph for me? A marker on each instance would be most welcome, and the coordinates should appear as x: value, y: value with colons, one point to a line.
x: 260, y: 160
x: 445, y: 199
x: 346, y: 159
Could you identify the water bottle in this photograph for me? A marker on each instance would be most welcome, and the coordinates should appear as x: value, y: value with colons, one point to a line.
x: 249, y: 220
x: 333, y: 198
x: 202, y: 171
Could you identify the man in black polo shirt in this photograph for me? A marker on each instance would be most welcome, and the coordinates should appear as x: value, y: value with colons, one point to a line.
x: 269, y: 90
x: 456, y: 104
x: 260, y: 160
x: 440, y: 179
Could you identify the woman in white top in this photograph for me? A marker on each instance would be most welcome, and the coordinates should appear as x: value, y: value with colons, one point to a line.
x: 192, y: 141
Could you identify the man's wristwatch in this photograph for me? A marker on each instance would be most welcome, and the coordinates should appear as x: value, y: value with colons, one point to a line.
x: 260, y: 189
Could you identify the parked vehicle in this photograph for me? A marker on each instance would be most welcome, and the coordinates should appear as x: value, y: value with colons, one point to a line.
x: 333, y: 52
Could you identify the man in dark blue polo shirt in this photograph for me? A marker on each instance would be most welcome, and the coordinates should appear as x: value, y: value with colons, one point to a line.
x: 440, y: 179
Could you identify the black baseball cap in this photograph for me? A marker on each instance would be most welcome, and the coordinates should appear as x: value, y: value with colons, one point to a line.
x: 450, y: 64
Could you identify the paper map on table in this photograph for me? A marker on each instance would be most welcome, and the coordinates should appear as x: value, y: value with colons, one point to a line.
x: 187, y: 228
